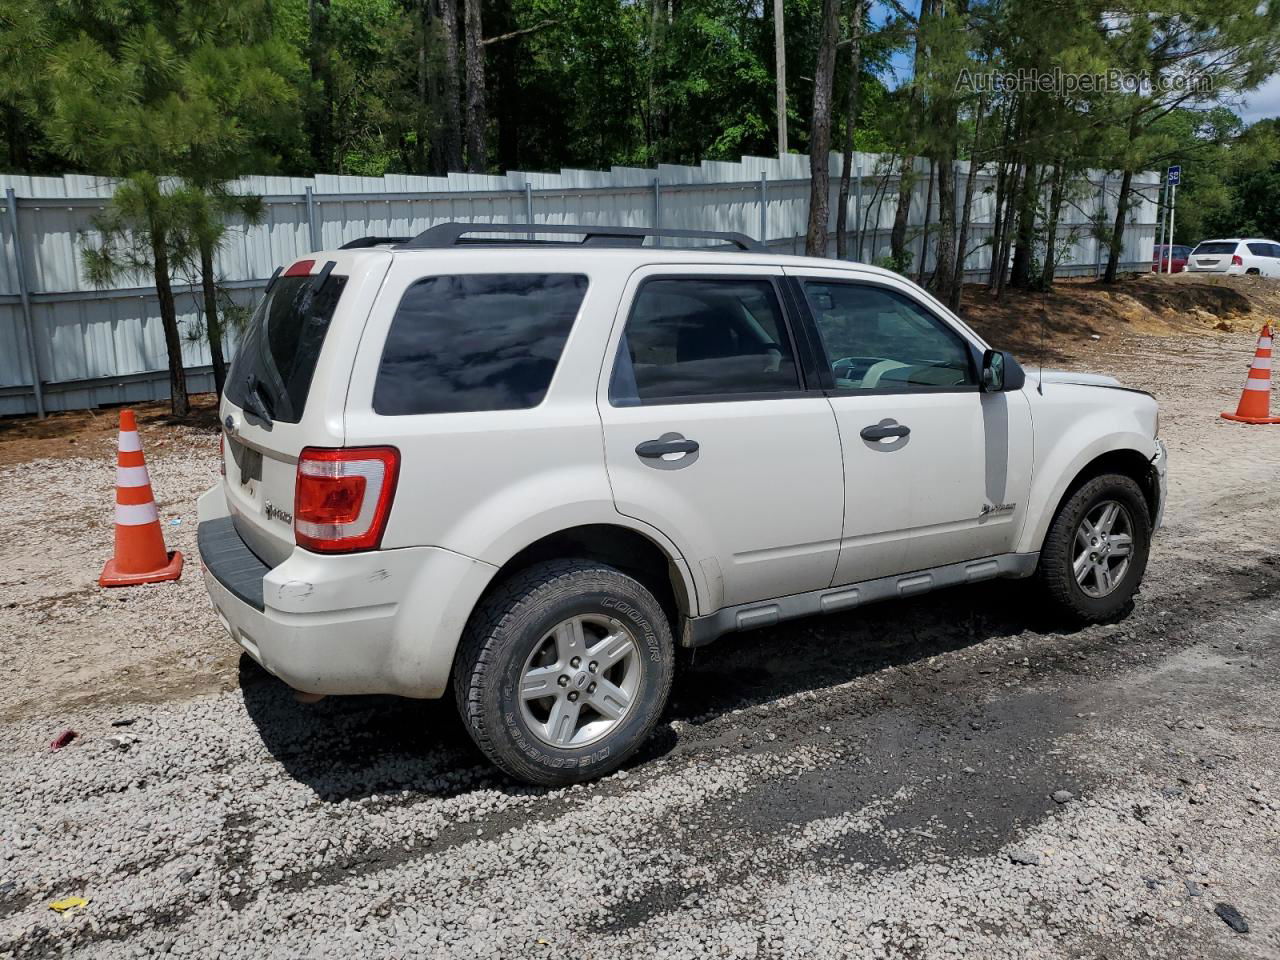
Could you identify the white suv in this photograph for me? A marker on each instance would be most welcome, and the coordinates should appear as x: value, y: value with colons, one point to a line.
x: 533, y: 469
x: 1252, y: 257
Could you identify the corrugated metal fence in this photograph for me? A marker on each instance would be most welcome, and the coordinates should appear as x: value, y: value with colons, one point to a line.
x: 96, y: 346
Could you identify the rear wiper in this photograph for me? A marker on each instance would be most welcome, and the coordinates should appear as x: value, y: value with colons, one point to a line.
x: 253, y: 401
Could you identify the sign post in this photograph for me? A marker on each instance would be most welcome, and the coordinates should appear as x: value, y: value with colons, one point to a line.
x: 1162, y: 220
x: 1175, y: 177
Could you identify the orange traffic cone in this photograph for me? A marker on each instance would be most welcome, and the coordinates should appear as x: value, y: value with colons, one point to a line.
x: 1255, y: 401
x: 140, y: 555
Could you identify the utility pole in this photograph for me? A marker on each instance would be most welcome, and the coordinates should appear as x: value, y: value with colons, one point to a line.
x: 780, y: 66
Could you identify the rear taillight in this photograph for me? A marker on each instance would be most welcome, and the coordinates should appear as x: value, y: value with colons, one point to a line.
x: 343, y: 497
x: 1237, y: 260
x: 222, y: 454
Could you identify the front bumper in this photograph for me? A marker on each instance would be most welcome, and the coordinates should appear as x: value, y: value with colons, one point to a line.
x: 1160, y: 463
x: 384, y: 621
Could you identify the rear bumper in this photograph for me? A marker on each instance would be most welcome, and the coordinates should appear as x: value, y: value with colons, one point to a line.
x: 385, y: 621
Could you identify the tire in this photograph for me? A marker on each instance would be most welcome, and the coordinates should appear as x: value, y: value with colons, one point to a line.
x: 1057, y: 571
x: 524, y: 633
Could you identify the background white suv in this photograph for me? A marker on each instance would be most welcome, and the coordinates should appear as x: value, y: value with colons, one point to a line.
x: 1256, y: 257
x: 530, y: 470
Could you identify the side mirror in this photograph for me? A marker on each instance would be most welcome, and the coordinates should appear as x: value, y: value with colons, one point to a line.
x: 1000, y: 372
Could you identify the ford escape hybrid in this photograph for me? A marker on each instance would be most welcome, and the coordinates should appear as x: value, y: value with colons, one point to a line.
x: 528, y: 466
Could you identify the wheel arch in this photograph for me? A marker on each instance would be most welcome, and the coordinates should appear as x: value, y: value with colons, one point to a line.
x: 1125, y: 460
x: 657, y: 566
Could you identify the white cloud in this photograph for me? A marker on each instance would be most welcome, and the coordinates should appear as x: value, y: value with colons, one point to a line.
x: 1263, y: 102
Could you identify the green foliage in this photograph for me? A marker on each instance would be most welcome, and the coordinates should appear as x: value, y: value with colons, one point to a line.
x: 901, y: 263
x: 141, y: 213
x: 204, y: 91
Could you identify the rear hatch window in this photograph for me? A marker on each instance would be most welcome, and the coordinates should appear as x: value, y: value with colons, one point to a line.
x: 1215, y: 248
x: 272, y: 371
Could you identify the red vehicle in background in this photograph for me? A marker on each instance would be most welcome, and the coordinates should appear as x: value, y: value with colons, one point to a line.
x: 1160, y: 261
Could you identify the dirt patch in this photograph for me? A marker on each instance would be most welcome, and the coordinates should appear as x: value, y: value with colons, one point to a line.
x: 1084, y: 310
x: 81, y: 433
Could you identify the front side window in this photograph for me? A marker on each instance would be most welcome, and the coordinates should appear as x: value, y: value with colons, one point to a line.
x: 476, y: 342
x: 703, y: 339
x: 877, y: 338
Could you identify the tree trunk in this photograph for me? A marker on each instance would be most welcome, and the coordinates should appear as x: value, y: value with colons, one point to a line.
x: 851, y: 121
x: 1025, y: 237
x: 815, y: 241
x: 1117, y: 232
x: 780, y: 74
x: 507, y: 107
x: 877, y: 202
x: 15, y: 132
x: 1006, y: 232
x: 477, y: 116
x: 425, y: 104
x: 1051, y: 227
x: 944, y: 266
x: 966, y: 212
x: 179, y: 404
x: 997, y: 222
x: 898, y: 235
x: 924, y: 235
x: 451, y: 139
x: 212, y: 325
x: 321, y: 119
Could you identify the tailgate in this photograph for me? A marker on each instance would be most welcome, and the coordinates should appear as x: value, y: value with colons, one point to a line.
x: 286, y: 389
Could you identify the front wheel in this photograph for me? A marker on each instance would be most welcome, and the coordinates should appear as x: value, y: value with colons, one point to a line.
x: 1095, y: 552
x: 564, y: 671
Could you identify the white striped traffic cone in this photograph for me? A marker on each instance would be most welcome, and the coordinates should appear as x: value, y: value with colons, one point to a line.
x: 140, y: 555
x: 1255, y: 400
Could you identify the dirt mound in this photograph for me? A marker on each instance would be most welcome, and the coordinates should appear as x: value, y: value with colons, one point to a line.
x: 1084, y: 309
x: 78, y: 433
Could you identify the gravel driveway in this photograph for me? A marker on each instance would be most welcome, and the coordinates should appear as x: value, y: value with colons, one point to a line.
x: 949, y: 776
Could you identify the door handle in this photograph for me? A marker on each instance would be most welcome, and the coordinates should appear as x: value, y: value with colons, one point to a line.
x: 667, y: 443
x: 884, y: 430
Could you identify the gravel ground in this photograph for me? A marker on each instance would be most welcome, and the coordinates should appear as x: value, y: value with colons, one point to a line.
x: 949, y: 776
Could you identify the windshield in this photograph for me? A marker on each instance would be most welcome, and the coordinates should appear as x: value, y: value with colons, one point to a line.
x: 276, y: 359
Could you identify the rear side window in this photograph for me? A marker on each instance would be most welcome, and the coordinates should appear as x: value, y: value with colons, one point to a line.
x: 1215, y: 248
x: 277, y: 356
x: 476, y: 342
x: 1260, y: 249
x: 703, y: 339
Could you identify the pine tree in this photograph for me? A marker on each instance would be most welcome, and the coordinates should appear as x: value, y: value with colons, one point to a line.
x: 159, y: 96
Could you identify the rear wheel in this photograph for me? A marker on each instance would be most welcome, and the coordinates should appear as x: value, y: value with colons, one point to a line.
x: 564, y: 671
x: 1095, y: 552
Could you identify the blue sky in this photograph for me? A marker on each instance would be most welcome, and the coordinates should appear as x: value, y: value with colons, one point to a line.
x: 1263, y: 102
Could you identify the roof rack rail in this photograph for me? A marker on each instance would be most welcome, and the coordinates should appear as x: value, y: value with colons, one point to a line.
x: 456, y: 234
x: 361, y: 242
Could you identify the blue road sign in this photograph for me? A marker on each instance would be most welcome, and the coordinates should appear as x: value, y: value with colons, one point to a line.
x: 1175, y: 175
